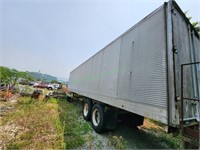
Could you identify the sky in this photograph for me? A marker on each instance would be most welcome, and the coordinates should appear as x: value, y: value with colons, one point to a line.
x: 56, y: 36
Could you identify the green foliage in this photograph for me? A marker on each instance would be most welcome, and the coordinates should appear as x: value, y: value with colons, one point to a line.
x: 26, y: 76
x: 196, y: 24
x: 25, y: 100
x: 155, y: 133
x: 13, y: 145
x: 54, y: 81
x: 173, y: 142
x: 52, y: 100
x: 117, y: 142
x: 9, y: 76
x: 73, y: 128
x: 5, y: 75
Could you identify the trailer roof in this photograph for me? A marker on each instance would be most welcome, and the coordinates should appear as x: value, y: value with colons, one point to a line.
x: 175, y: 6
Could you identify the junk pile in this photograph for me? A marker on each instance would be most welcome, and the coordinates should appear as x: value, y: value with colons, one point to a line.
x: 56, y: 94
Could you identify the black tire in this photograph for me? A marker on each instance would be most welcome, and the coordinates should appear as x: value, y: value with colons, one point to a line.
x: 98, y: 118
x: 50, y: 88
x: 87, y: 107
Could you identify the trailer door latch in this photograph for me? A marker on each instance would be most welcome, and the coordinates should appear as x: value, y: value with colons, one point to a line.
x: 175, y: 50
x: 178, y: 98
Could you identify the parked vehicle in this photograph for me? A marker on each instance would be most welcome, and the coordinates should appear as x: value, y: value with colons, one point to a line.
x: 149, y: 71
x: 53, y: 86
x: 26, y: 83
x: 3, y: 87
x: 31, y: 83
x: 40, y: 85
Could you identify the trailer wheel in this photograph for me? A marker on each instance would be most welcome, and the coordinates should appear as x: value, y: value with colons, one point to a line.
x: 98, y: 118
x: 87, y: 107
x: 50, y: 88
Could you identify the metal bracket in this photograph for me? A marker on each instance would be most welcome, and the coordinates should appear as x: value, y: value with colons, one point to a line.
x: 178, y: 98
x: 175, y: 50
x: 173, y: 11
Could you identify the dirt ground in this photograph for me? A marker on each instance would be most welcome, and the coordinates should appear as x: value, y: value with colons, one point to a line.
x: 132, y: 138
x: 147, y: 136
x: 6, y: 106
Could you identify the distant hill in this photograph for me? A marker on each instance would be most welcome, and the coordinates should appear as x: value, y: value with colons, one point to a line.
x: 61, y: 79
x: 43, y: 77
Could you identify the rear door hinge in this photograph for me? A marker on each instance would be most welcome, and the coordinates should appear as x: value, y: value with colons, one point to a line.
x: 175, y: 50
x: 173, y: 11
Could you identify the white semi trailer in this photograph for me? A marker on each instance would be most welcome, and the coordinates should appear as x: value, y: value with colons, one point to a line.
x: 152, y: 70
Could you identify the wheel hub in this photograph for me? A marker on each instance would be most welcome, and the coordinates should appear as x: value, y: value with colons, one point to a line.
x: 96, y: 117
x: 85, y: 111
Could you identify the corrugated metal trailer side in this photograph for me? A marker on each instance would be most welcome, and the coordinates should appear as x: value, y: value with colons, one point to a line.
x: 129, y: 73
x: 140, y: 70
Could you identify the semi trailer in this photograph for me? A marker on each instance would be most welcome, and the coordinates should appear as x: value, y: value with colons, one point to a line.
x: 152, y: 70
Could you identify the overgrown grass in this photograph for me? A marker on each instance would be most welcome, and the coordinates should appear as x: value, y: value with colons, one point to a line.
x: 156, y: 131
x: 46, y: 125
x: 57, y: 124
x: 74, y: 127
x: 117, y: 142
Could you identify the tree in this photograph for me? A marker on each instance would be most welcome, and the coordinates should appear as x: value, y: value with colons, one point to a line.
x: 11, y: 76
x: 196, y: 24
x: 14, y: 75
x: 25, y: 76
x: 5, y: 75
x: 54, y: 81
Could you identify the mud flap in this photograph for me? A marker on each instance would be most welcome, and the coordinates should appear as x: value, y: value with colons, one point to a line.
x: 111, y: 118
